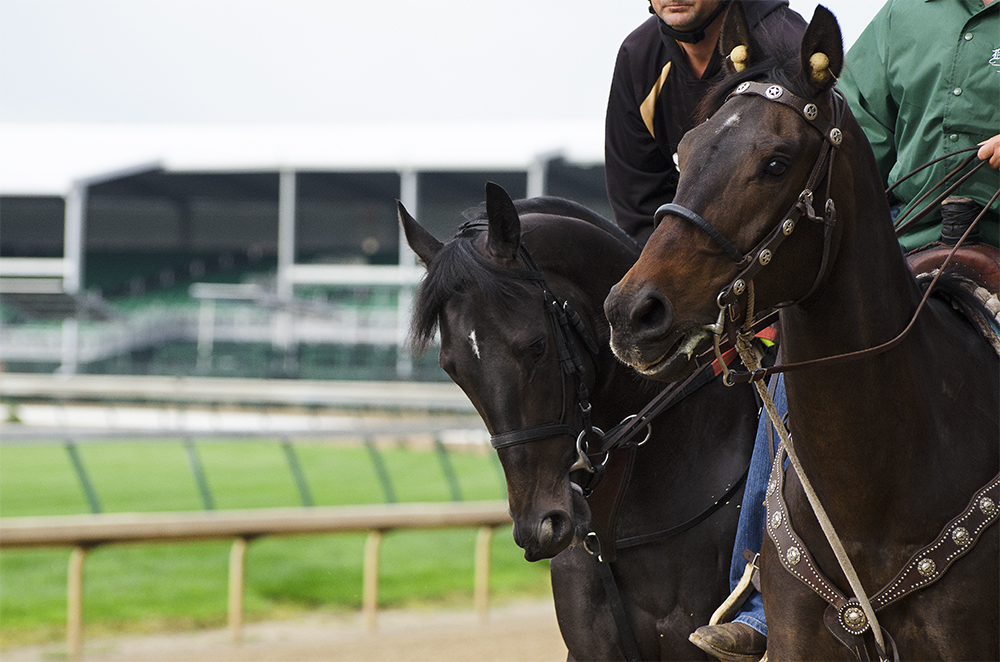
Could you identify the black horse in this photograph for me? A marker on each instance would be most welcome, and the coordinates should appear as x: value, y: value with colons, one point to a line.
x: 517, y: 295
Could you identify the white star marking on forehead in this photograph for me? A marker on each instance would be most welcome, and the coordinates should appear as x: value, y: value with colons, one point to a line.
x: 732, y: 121
x: 474, y: 343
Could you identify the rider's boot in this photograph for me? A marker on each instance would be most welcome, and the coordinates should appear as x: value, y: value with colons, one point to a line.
x: 730, y: 642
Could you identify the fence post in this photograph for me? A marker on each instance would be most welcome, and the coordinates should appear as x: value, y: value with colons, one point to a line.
x: 237, y: 575
x: 369, y: 594
x: 74, y: 603
x: 481, y: 588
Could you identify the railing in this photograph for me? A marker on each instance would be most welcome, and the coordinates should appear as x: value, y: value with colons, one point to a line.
x: 187, y: 409
x: 84, y: 532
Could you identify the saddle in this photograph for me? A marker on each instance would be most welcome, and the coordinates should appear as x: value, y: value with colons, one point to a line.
x: 979, y: 263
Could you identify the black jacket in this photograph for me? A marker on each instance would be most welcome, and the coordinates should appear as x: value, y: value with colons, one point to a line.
x: 640, y: 143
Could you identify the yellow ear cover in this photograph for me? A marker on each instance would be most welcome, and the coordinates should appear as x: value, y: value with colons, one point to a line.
x: 739, y: 57
x: 819, y: 63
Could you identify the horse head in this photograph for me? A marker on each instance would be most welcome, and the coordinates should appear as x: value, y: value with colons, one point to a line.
x: 497, y: 292
x: 753, y: 225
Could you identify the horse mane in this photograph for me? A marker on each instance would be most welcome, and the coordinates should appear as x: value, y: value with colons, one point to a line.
x: 458, y: 266
x: 782, y: 71
x: 556, y: 206
x: 779, y: 64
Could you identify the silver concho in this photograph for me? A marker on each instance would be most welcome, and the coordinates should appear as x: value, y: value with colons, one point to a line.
x: 775, y: 520
x: 772, y: 485
x: 810, y: 111
x: 774, y: 92
x: 764, y: 257
x: 927, y: 567
x: 793, y: 555
x: 961, y: 536
x: 739, y: 286
x: 987, y: 506
x: 743, y: 87
x: 788, y: 227
x: 836, y: 136
x: 853, y: 618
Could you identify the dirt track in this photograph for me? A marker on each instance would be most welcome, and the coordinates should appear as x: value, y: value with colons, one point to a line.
x: 522, y: 632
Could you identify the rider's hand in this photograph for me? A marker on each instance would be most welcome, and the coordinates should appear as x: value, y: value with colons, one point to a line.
x: 989, y: 150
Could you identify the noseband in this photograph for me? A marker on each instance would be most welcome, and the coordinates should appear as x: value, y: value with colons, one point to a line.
x: 750, y: 264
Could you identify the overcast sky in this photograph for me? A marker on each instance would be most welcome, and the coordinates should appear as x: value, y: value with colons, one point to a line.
x: 334, y: 61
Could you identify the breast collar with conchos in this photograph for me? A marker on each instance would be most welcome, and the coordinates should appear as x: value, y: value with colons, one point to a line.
x: 844, y: 617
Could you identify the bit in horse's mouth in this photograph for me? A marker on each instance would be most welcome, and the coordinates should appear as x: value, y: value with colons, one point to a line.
x: 685, y: 348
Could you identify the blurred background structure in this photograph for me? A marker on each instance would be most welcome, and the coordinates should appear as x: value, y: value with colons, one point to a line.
x: 257, y: 273
x: 208, y: 188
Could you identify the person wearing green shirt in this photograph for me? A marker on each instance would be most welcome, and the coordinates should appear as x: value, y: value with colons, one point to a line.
x: 923, y: 80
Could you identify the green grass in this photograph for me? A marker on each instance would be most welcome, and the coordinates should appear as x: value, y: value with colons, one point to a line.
x: 151, y: 587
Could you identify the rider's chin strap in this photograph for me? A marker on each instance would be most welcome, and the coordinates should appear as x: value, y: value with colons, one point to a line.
x: 750, y: 360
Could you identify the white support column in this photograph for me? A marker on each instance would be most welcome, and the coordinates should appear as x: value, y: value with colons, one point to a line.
x: 538, y: 173
x: 74, y: 250
x: 283, y: 331
x: 74, y: 234
x: 409, y: 196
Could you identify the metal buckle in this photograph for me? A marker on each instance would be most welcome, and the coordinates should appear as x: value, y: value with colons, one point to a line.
x: 582, y: 461
x: 649, y: 428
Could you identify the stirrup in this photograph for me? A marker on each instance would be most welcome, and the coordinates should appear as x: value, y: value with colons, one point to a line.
x: 732, y: 604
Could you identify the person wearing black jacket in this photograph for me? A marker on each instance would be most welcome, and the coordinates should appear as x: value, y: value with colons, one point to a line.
x: 664, y: 67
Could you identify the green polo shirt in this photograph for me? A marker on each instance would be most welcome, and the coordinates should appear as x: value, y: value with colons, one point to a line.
x: 923, y: 80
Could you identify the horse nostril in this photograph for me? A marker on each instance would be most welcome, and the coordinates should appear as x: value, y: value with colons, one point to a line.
x: 651, y: 311
x: 553, y: 528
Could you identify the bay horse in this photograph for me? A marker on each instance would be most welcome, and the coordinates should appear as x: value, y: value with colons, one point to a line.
x: 491, y: 291
x: 901, y: 443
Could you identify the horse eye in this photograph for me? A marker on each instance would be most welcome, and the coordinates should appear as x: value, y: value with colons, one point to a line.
x: 775, y: 168
x: 537, y: 348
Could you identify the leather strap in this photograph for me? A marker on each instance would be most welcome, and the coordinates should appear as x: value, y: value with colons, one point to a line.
x: 701, y: 224
x: 625, y: 633
x: 928, y: 565
x: 523, y: 436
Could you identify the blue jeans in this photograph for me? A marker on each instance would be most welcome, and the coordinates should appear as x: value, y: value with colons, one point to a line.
x: 750, y: 529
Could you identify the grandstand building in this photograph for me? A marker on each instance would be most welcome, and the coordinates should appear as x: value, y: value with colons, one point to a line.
x: 266, y: 251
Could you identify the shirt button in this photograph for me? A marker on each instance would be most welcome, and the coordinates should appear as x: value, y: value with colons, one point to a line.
x: 968, y: 36
x: 957, y: 91
x: 953, y: 137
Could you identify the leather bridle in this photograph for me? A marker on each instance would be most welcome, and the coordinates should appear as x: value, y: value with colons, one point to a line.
x: 566, y: 323
x: 735, y: 300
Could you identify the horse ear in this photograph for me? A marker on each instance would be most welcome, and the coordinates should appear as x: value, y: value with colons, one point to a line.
x: 735, y: 43
x: 504, y: 237
x: 822, y: 51
x: 423, y: 243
